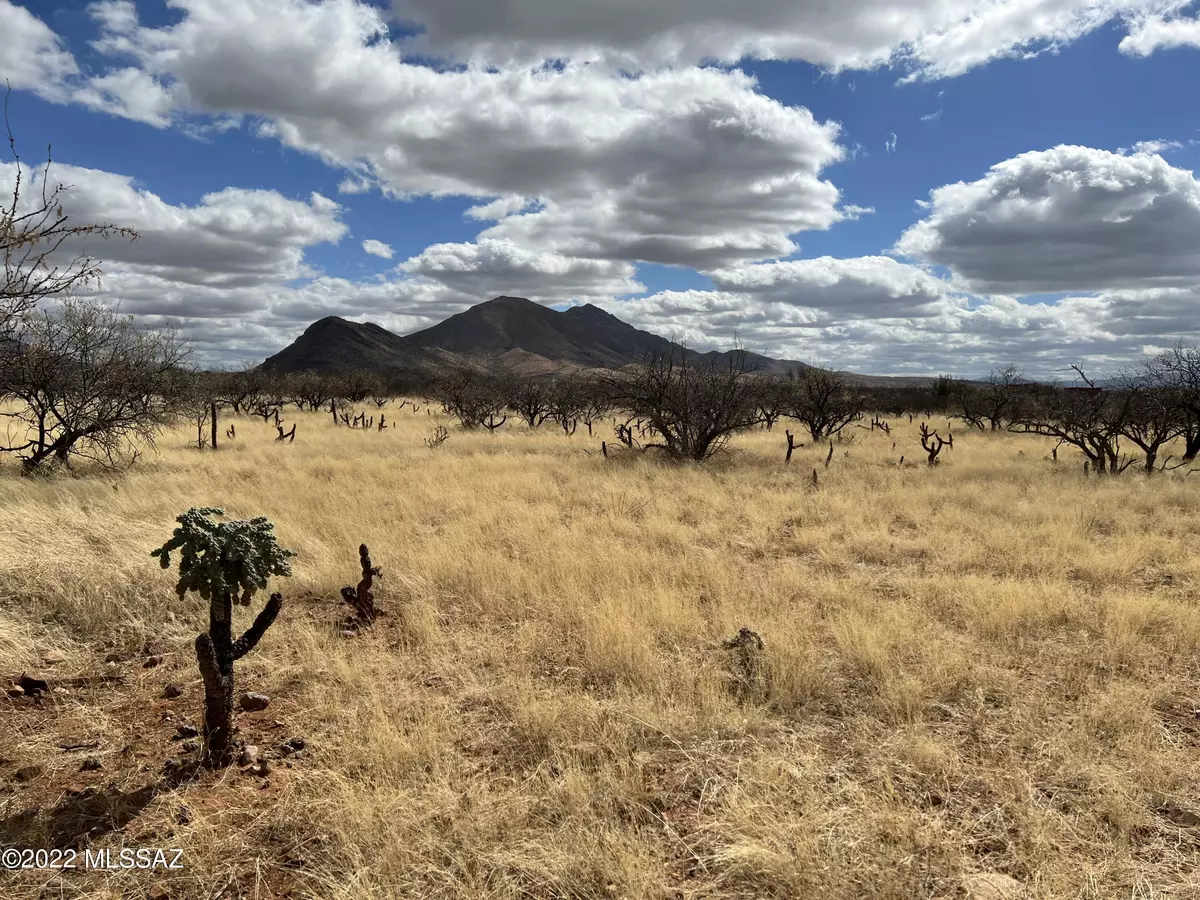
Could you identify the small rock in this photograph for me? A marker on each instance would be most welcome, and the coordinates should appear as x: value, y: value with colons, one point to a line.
x: 349, y: 633
x: 62, y: 691
x: 191, y: 745
x: 253, y: 702
x: 1179, y: 815
x: 151, y: 662
x: 249, y: 755
x: 76, y: 789
x: 32, y: 685
x: 27, y: 773
x: 992, y: 886
x: 184, y: 730
x: 292, y: 745
x: 91, y: 764
x: 15, y: 691
x: 53, y: 657
x: 171, y: 691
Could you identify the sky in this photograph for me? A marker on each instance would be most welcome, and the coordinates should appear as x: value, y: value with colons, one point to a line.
x: 881, y: 186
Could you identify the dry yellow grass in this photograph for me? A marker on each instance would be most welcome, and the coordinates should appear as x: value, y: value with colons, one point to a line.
x: 991, y: 666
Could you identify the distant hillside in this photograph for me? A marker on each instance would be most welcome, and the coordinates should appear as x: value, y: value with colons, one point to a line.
x: 509, y: 334
x: 582, y: 336
x: 333, y: 345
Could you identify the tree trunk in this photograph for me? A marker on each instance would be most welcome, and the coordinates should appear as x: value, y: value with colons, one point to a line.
x: 214, y: 425
x: 1191, y: 445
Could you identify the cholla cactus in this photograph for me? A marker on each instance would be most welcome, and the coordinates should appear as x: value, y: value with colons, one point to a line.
x: 224, y: 562
x: 362, y: 598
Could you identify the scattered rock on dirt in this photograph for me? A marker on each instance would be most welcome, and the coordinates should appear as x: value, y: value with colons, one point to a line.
x: 53, y: 657
x: 1177, y: 814
x: 249, y: 755
x: 992, y: 886
x: 15, y: 691
x: 184, y: 730
x: 32, y: 685
x: 191, y: 745
x: 292, y: 745
x: 253, y: 702
x: 171, y: 691
x: 152, y: 661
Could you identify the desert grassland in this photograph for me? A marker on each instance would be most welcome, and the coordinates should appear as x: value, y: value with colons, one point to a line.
x: 988, y: 666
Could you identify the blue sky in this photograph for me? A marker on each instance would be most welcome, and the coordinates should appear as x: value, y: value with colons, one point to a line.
x: 948, y: 193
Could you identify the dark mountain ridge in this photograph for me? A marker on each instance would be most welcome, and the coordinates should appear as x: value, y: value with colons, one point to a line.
x: 509, y: 334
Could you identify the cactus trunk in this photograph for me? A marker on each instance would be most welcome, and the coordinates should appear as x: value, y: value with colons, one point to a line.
x: 215, y: 655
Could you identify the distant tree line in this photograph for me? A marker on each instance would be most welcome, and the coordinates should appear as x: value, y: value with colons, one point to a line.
x: 82, y: 382
x: 691, y: 409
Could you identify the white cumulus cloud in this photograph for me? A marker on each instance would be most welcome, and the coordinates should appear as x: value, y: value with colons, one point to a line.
x: 377, y: 248
x: 1065, y: 219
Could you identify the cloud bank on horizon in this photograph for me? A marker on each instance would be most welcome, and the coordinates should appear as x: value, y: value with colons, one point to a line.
x: 700, y: 168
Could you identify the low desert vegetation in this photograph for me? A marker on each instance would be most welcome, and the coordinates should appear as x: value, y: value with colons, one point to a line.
x: 611, y: 676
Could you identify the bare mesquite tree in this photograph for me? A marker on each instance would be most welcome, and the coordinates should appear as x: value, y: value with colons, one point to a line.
x: 1176, y: 373
x: 988, y: 404
x: 309, y: 390
x: 476, y: 400
x: 225, y: 563
x: 692, y: 408
x: 35, y: 237
x: 772, y: 395
x: 531, y: 396
x: 825, y: 402
x: 1151, y: 421
x: 594, y: 403
x: 245, y: 389
x: 1086, y: 417
x: 89, y: 385
x: 355, y: 387
x: 567, y: 401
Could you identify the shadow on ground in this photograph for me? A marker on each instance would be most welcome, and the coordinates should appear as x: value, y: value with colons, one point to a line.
x: 86, y: 816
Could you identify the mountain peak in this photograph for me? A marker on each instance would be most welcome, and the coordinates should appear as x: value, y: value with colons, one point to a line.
x: 589, y: 311
x: 508, y: 333
x: 334, y: 344
x: 507, y: 302
x: 328, y: 323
